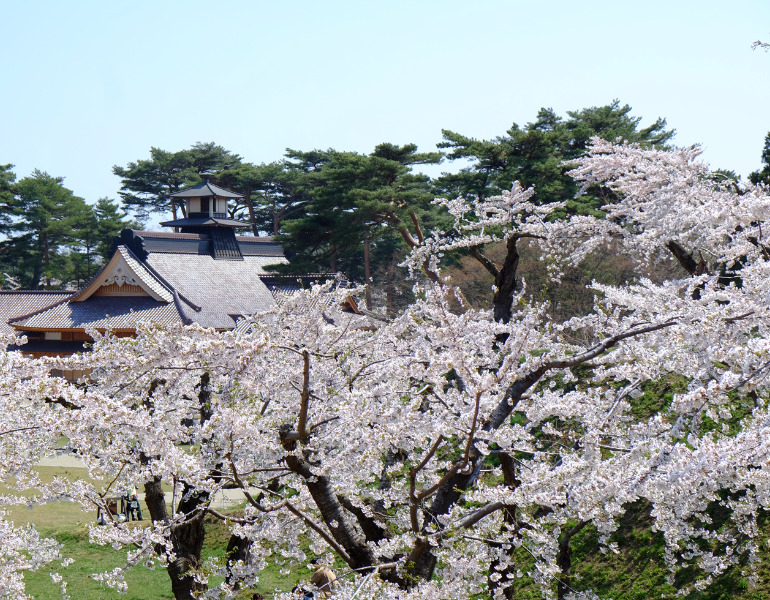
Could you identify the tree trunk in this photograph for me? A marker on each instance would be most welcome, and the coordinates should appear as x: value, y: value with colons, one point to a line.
x: 237, y: 550
x: 453, y: 489
x: 252, y: 216
x: 510, y: 527
x: 564, y: 560
x: 187, y: 540
x: 276, y: 219
x: 390, y: 289
x: 333, y: 514
x: 367, y: 275
x: 506, y: 283
x: 37, y: 269
x: 174, y: 214
x: 186, y: 537
x: 46, y: 250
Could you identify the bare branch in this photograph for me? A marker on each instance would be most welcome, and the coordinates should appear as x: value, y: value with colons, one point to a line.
x: 476, y: 253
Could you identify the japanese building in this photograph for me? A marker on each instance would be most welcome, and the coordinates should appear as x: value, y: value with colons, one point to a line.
x: 203, y: 274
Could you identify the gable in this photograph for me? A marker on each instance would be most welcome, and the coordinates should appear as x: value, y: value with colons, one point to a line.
x: 124, y: 276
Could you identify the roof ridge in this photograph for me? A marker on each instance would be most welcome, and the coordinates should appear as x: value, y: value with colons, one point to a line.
x: 171, y: 235
x: 39, y: 291
x: 213, y: 188
x: 267, y: 239
x: 146, y: 267
x: 132, y: 261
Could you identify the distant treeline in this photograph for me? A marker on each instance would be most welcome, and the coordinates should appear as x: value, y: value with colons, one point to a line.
x: 331, y: 210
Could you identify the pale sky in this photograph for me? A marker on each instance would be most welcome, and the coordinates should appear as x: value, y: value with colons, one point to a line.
x: 88, y: 85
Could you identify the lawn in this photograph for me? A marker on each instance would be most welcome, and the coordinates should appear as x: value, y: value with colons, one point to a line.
x: 637, y: 572
x: 68, y: 524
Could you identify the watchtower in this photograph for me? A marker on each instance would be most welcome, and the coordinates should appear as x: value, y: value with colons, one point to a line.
x: 206, y: 207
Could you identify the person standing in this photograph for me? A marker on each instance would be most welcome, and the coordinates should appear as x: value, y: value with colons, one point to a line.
x: 133, y: 508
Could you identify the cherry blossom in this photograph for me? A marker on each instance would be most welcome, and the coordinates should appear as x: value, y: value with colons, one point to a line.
x: 433, y: 452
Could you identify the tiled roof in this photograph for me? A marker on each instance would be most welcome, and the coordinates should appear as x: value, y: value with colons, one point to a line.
x: 200, y: 243
x: 170, y: 235
x: 182, y: 245
x: 145, y: 276
x: 115, y: 272
x: 18, y: 304
x: 206, y: 189
x: 219, y: 288
x: 180, y: 270
x: 224, y: 245
x: 102, y: 312
x: 205, y: 222
x: 259, y: 246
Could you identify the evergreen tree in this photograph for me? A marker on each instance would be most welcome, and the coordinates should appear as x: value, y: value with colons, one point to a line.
x: 763, y: 175
x: 147, y: 185
x: 46, y: 230
x: 271, y: 193
x: 95, y: 231
x: 111, y: 219
x: 7, y: 206
x: 361, y: 215
x: 536, y: 154
x: 353, y: 198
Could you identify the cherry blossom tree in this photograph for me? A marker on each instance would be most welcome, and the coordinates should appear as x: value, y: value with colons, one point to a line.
x: 448, y: 452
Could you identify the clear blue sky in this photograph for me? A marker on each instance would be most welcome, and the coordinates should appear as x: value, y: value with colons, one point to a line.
x: 88, y: 85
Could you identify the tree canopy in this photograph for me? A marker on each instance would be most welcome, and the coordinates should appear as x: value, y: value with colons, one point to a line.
x: 338, y: 211
x: 51, y: 236
x: 763, y: 175
x: 450, y: 451
x: 536, y: 154
x: 147, y: 184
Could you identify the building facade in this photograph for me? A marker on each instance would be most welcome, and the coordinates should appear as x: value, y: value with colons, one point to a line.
x: 203, y: 273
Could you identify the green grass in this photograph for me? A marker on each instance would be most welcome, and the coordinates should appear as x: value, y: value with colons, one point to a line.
x: 68, y: 524
x: 636, y: 572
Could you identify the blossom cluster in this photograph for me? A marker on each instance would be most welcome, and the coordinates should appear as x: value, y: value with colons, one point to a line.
x: 443, y: 453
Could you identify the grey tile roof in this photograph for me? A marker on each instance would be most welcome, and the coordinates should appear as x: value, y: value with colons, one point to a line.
x: 169, y: 235
x: 206, y: 189
x: 107, y: 275
x: 200, y: 243
x: 200, y: 289
x: 259, y: 246
x: 18, y: 304
x: 224, y: 245
x: 220, y: 289
x: 205, y: 221
x: 103, y: 312
x: 178, y: 243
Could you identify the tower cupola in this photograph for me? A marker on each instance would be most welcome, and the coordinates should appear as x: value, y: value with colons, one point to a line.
x: 206, y: 210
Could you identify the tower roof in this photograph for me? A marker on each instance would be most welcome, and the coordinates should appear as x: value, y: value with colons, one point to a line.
x: 204, y: 190
x: 205, y: 222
